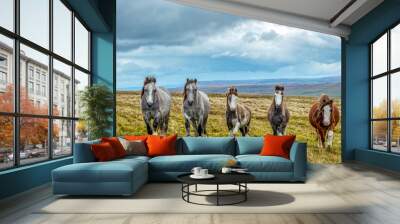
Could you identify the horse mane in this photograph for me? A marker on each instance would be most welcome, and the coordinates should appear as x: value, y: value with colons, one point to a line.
x: 147, y: 80
x: 188, y: 82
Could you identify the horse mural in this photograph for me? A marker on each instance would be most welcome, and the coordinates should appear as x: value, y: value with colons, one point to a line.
x: 324, y: 115
x: 278, y: 114
x: 196, y: 107
x: 238, y: 116
x: 156, y: 105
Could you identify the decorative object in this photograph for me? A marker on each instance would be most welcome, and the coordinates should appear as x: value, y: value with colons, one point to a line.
x: 116, y: 145
x: 277, y: 145
x: 103, y: 152
x: 136, y: 147
x: 161, y: 145
x: 97, y: 103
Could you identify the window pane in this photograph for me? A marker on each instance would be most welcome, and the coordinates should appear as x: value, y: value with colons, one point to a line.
x: 6, y: 142
x: 6, y: 74
x: 379, y: 135
x: 34, y: 82
x: 379, y: 100
x: 62, y: 29
x: 81, y: 82
x: 81, y: 45
x: 81, y: 131
x: 33, y: 140
x: 7, y: 14
x: 35, y: 21
x: 395, y: 129
x: 395, y: 47
x: 62, y: 89
x: 62, y: 138
x: 379, y: 55
x: 395, y: 94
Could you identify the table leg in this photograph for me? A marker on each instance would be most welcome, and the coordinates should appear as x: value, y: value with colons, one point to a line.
x: 217, y: 194
x: 245, y: 193
x: 196, y: 187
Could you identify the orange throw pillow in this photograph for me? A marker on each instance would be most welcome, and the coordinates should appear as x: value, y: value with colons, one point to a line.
x: 277, y: 145
x: 103, y: 152
x: 161, y: 145
x: 116, y: 145
x: 136, y: 137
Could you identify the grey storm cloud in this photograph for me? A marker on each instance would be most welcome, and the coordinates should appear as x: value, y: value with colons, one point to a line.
x: 160, y: 22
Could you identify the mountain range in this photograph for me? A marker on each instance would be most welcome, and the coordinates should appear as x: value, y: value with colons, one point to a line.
x: 293, y: 87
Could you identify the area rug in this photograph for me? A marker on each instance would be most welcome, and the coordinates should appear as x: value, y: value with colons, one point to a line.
x: 166, y: 198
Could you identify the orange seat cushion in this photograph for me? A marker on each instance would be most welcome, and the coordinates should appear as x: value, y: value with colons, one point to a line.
x: 277, y: 145
x: 116, y: 145
x: 161, y: 145
x: 103, y: 152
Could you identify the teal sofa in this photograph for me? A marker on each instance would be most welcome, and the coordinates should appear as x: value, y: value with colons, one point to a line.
x: 125, y: 176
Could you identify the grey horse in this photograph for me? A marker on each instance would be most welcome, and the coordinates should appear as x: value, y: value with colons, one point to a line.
x: 238, y: 116
x: 196, y: 107
x: 278, y: 114
x: 156, y: 105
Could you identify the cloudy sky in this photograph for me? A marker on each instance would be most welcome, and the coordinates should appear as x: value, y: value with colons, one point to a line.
x: 173, y: 42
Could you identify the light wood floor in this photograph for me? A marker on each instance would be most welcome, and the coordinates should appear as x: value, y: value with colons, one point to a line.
x: 377, y: 188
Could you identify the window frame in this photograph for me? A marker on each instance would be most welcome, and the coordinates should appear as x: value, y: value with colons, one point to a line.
x: 388, y: 74
x: 16, y: 114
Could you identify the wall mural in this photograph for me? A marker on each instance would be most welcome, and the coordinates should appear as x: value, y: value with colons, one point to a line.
x: 214, y: 74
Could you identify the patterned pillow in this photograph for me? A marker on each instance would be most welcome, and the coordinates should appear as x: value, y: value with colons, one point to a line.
x: 136, y: 147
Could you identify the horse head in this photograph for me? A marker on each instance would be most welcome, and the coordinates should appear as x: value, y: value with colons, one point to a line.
x: 232, y: 98
x: 325, y: 109
x: 190, y: 91
x: 149, y: 90
x: 278, y: 96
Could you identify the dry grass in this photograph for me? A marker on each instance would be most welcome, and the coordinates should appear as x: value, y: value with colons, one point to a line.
x: 130, y: 121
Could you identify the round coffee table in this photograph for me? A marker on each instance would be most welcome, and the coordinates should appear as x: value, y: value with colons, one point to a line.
x: 238, y: 179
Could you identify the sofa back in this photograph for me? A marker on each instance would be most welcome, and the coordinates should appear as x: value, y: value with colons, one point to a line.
x: 249, y: 145
x: 206, y: 145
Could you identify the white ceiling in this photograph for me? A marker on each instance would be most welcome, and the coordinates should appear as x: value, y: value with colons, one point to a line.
x: 324, y: 16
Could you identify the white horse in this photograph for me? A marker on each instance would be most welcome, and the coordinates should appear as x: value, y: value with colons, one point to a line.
x: 156, y: 105
x: 196, y: 107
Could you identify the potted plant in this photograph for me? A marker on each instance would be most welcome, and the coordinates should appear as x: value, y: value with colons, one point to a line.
x: 97, y: 103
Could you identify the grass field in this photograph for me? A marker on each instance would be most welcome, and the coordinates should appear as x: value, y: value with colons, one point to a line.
x: 130, y: 121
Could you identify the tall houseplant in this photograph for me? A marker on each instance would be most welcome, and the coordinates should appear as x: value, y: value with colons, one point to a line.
x: 97, y: 103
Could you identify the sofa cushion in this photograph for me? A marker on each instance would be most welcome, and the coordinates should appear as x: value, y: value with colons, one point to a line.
x: 249, y: 145
x: 277, y: 145
x: 83, y: 152
x: 116, y: 145
x: 206, y: 145
x: 161, y: 145
x: 112, y: 171
x: 257, y: 163
x: 103, y: 152
x: 185, y: 163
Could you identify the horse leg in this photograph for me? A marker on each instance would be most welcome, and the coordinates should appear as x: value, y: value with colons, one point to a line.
x: 330, y: 139
x: 194, y: 124
x: 236, y: 128
x: 156, y: 123
x: 165, y: 126
x: 148, y: 126
x: 246, y: 130
x: 187, y: 126
x: 242, y: 130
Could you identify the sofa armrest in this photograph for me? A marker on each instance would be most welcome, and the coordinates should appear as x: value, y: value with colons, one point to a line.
x: 83, y: 152
x: 298, y: 155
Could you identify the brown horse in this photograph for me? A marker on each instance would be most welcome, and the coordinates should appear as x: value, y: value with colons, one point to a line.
x: 324, y: 116
x: 238, y: 116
